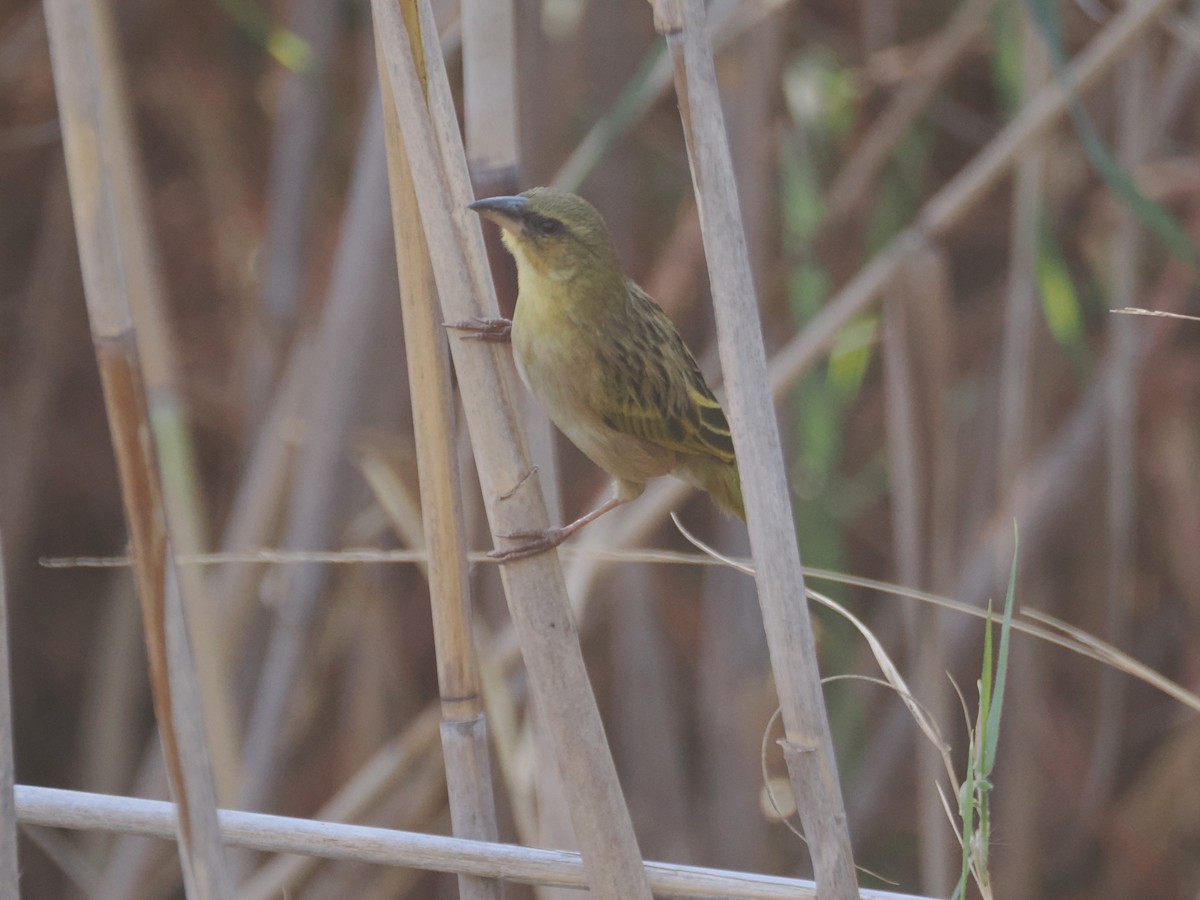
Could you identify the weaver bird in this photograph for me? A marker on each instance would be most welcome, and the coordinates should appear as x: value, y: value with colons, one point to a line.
x: 603, y: 359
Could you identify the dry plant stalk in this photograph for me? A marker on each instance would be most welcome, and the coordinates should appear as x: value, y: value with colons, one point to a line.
x: 489, y: 91
x: 97, y: 147
x: 464, y: 727
x: 534, y: 586
x: 945, y: 208
x: 282, y: 834
x: 9, y: 868
x: 939, y: 213
x: 888, y: 129
x: 378, y: 777
x: 355, y: 295
x: 917, y: 318
x: 807, y: 744
x: 166, y: 413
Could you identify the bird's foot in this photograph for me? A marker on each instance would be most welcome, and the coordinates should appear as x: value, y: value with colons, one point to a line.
x: 495, y: 330
x: 533, y: 542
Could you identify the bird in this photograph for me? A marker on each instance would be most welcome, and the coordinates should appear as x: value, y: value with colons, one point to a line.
x: 603, y: 360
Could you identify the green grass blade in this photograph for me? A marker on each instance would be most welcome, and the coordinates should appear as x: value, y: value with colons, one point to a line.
x: 993, y: 723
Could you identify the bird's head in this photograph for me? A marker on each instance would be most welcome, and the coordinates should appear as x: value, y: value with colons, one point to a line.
x: 552, y: 234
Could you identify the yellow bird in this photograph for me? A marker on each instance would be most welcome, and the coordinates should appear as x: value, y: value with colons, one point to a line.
x: 603, y: 359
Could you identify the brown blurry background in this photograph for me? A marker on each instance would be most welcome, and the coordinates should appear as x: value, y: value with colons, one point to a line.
x: 996, y: 386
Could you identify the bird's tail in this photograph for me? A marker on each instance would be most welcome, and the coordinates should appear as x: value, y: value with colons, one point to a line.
x: 721, y: 481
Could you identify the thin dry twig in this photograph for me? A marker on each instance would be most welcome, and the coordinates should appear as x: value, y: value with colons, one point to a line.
x: 1135, y: 311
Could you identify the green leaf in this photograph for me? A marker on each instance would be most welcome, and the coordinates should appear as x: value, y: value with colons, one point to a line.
x: 290, y: 50
x: 851, y: 354
x: 1060, y: 300
x: 1006, y: 56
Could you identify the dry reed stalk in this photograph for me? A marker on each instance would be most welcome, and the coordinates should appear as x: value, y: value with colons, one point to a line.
x: 1179, y: 73
x: 1051, y: 480
x: 490, y: 92
x: 938, y: 58
x: 1021, y: 311
x: 251, y: 523
x: 928, y: 294
x: 165, y: 409
x: 135, y: 867
x: 65, y: 854
x: 38, y: 354
x: 115, y: 696
x: 641, y: 94
x: 733, y: 702
x: 299, y: 131
x: 260, y: 495
x: 1019, y: 405
x: 649, y: 741
x: 360, y: 282
x: 734, y: 696
x: 281, y: 834
x: 1135, y: 139
x: 381, y: 775
x: 101, y: 170
x: 534, y: 586
x: 627, y: 527
x: 807, y: 744
x: 9, y: 867
x: 490, y: 120
x: 947, y: 207
x: 464, y: 727
x: 400, y: 503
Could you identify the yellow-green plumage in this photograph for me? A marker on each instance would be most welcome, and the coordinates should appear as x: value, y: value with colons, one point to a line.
x: 604, y: 360
x: 602, y: 357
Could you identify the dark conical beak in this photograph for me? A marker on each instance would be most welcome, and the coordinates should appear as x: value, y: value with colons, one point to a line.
x: 507, y: 212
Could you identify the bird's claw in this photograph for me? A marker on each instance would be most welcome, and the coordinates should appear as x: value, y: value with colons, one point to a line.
x: 533, y: 542
x: 479, y: 328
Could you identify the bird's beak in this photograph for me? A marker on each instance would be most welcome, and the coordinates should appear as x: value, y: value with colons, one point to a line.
x: 507, y: 212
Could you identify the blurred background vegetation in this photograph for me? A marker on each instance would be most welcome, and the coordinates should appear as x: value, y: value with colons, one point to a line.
x: 993, y: 383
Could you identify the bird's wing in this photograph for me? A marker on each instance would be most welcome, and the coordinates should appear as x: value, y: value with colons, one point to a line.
x: 655, y: 389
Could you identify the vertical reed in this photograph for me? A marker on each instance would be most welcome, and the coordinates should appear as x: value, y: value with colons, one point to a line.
x: 100, y: 169
x: 534, y: 586
x: 808, y: 746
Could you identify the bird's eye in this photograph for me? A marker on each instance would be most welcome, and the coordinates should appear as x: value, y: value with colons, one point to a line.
x: 549, y: 227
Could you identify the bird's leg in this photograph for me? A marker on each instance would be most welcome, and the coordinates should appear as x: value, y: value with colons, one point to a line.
x: 496, y: 330
x: 539, y: 540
